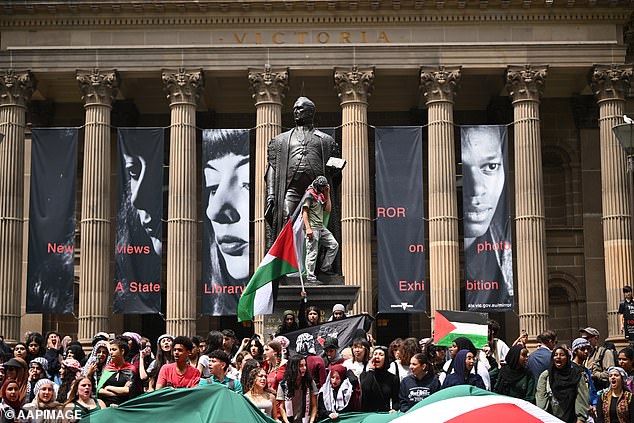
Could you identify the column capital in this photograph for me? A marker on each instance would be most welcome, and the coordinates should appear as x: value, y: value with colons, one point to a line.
x: 526, y: 82
x: 16, y: 87
x: 268, y: 85
x: 439, y: 83
x: 183, y: 85
x: 610, y: 82
x: 354, y: 84
x: 98, y: 87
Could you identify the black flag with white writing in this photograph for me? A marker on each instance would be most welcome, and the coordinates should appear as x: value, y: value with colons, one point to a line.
x: 226, y: 186
x: 486, y: 218
x: 139, y: 231
x: 50, y: 272
x: 399, y: 219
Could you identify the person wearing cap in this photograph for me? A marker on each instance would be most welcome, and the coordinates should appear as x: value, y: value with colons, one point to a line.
x: 316, y: 204
x: 338, y: 313
x: 37, y: 371
x: 580, y: 349
x: 615, y: 403
x: 289, y: 323
x: 599, y: 359
x: 68, y: 374
x: 331, y: 354
x: 45, y: 393
x: 626, y: 313
x: 16, y: 369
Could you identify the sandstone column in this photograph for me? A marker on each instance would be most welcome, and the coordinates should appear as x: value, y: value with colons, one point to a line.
x: 98, y: 89
x: 15, y: 93
x: 525, y: 85
x: 183, y: 88
x: 610, y: 84
x: 438, y: 85
x: 354, y: 86
x: 269, y: 87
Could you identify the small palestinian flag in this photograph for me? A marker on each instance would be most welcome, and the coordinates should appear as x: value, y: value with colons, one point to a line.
x: 468, y: 404
x: 449, y: 325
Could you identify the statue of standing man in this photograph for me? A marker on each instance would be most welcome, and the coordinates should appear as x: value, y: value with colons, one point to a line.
x: 295, y: 159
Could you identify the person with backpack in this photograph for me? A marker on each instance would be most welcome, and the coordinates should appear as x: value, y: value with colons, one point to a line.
x: 219, y: 367
x: 600, y: 359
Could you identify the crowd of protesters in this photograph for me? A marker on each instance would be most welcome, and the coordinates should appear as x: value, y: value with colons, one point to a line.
x: 583, y: 382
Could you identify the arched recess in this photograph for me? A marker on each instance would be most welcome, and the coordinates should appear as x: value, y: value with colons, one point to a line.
x: 565, y: 306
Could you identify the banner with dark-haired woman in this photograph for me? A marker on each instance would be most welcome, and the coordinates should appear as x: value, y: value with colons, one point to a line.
x: 139, y: 231
x: 400, y: 228
x: 225, y: 201
x: 487, y: 221
x: 50, y: 273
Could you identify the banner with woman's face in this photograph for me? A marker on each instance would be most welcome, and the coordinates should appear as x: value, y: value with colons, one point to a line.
x: 226, y: 216
x: 139, y: 231
x: 487, y: 221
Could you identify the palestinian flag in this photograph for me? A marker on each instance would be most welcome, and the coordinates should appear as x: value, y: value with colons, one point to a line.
x: 126, y: 371
x: 468, y: 404
x: 449, y: 325
x: 281, y: 260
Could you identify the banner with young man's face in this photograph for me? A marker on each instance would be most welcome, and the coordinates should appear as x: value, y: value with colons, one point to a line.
x: 400, y: 222
x: 50, y: 272
x: 139, y: 230
x: 487, y: 220
x: 226, y: 216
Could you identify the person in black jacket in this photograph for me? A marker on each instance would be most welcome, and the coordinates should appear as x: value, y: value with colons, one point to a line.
x: 420, y: 384
x: 379, y: 387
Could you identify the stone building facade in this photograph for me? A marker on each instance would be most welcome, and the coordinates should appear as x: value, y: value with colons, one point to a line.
x: 557, y: 72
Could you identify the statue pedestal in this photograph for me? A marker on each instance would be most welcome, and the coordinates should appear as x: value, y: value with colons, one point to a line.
x: 322, y: 296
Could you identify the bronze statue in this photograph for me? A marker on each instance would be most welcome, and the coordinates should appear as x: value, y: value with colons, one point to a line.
x: 295, y: 159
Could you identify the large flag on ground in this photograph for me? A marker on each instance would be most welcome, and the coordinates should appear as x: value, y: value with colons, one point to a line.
x: 459, y: 404
x: 284, y: 257
x: 449, y: 325
x: 204, y: 404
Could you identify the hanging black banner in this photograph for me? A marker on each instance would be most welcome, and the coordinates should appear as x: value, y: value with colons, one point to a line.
x: 487, y: 222
x: 225, y: 201
x: 52, y: 221
x: 344, y: 330
x: 139, y: 231
x: 400, y: 225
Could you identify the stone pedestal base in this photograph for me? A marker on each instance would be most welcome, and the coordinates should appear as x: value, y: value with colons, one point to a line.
x: 324, y: 297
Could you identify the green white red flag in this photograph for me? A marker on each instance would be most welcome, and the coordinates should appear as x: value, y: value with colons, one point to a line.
x: 449, y: 325
x: 280, y: 260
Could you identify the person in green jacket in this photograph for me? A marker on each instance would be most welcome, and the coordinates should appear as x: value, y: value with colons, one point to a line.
x: 514, y: 379
x: 561, y: 389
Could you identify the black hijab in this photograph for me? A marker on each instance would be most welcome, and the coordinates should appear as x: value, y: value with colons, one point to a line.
x: 512, y: 372
x: 464, y: 343
x: 563, y: 384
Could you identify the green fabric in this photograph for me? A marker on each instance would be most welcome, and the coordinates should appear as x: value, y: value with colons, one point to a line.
x: 210, y: 404
x: 105, y: 375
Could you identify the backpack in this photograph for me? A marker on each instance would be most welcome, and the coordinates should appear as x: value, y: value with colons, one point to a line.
x: 608, y: 347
